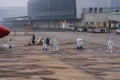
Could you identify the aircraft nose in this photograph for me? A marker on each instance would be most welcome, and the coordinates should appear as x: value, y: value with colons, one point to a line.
x: 7, y: 31
x: 4, y: 31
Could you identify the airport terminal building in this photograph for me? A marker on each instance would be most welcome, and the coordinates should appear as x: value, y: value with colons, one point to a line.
x: 52, y: 13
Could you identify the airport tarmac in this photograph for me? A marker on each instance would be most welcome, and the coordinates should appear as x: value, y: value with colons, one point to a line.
x: 24, y: 62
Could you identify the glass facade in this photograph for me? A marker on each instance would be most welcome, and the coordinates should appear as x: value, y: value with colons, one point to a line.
x: 52, y: 9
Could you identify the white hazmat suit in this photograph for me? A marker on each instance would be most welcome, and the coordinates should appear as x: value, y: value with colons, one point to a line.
x: 55, y: 45
x: 110, y: 44
x: 79, y: 43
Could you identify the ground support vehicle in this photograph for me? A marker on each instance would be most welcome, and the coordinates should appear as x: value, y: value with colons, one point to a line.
x: 97, y: 30
x: 118, y: 31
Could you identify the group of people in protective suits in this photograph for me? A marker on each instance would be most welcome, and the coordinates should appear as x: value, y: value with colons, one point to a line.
x: 80, y: 44
x: 55, y: 44
x: 79, y: 41
x: 45, y: 42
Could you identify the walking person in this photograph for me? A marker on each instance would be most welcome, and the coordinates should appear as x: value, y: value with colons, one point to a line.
x: 47, y: 40
x: 79, y: 43
x: 44, y: 47
x: 110, y: 45
x: 33, y: 39
x: 10, y: 43
x: 39, y: 39
x: 55, y: 45
x: 33, y: 36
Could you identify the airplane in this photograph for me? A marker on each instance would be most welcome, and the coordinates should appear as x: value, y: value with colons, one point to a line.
x: 4, y: 31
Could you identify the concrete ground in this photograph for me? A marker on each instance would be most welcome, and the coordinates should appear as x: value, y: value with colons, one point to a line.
x: 24, y: 62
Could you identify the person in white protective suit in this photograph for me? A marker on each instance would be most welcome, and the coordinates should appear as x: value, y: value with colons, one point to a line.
x: 55, y: 45
x: 79, y: 43
x: 39, y: 39
x: 110, y: 45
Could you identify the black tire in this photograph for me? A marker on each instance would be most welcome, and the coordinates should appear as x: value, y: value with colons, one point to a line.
x: 102, y: 31
x: 117, y: 33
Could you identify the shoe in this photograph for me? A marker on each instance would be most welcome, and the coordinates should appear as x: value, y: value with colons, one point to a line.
x: 46, y: 49
x: 111, y: 51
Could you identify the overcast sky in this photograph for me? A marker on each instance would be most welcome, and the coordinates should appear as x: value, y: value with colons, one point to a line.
x: 13, y: 3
